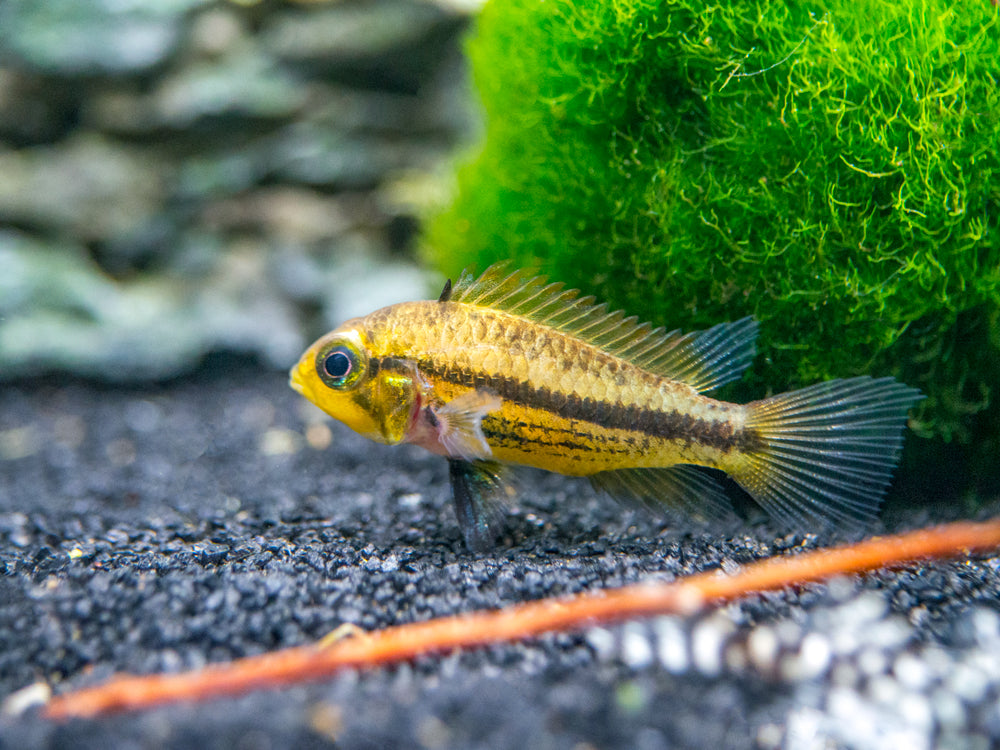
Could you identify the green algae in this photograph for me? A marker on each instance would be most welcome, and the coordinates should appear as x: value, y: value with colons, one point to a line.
x: 830, y: 168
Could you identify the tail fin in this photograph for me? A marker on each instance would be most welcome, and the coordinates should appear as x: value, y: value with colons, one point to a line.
x: 828, y: 450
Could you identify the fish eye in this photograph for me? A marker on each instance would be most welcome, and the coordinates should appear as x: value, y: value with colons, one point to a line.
x: 339, y: 366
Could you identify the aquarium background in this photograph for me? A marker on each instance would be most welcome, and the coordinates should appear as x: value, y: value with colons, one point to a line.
x: 190, y: 190
x: 186, y: 177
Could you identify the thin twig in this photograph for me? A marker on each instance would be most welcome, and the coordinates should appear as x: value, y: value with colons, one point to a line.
x: 735, y: 72
x: 404, y: 642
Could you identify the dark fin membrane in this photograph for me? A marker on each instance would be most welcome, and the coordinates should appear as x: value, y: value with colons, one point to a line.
x: 689, y: 492
x: 708, y: 359
x: 446, y: 292
x: 704, y: 360
x: 476, y: 487
x: 829, y: 451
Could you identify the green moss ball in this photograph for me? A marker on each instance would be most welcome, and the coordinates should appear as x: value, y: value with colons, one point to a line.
x: 830, y: 168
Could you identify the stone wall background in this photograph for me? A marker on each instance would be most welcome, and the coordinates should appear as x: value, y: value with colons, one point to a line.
x: 190, y: 176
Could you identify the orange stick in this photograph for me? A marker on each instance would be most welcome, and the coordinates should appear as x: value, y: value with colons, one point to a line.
x: 403, y: 642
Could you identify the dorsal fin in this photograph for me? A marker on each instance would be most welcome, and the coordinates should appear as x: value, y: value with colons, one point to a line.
x: 446, y: 292
x: 704, y: 360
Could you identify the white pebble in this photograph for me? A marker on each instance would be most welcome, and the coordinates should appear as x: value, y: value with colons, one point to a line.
x: 890, y: 633
x: 672, y: 645
x: 948, y: 709
x: 770, y: 736
x: 842, y: 588
x: 884, y: 690
x: 410, y: 500
x: 735, y: 656
x: 869, y: 607
x: 707, y: 641
x: 602, y: 641
x: 789, y: 632
x: 911, y: 672
x: 637, y: 652
x: 968, y: 682
x: 872, y: 661
x: 806, y: 730
x: 986, y: 624
x: 814, y: 656
x: 762, y: 646
x: 847, y: 706
x: 915, y: 710
x: 938, y: 661
x: 35, y: 694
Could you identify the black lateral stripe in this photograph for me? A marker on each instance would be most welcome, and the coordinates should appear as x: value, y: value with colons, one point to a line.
x: 664, y: 425
x: 515, y: 438
x: 390, y: 364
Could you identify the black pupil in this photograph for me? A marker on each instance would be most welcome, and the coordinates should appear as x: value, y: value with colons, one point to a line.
x: 337, y: 364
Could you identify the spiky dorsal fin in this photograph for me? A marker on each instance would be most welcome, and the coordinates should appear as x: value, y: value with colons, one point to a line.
x: 704, y: 359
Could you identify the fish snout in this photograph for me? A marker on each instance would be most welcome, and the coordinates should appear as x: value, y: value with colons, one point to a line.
x: 295, y: 381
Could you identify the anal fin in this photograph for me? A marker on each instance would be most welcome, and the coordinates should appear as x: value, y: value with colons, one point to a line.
x: 684, y: 489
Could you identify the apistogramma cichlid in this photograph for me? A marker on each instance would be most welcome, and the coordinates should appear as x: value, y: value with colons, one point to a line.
x: 509, y: 369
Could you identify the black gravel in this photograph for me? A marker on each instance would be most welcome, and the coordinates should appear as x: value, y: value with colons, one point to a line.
x: 161, y: 528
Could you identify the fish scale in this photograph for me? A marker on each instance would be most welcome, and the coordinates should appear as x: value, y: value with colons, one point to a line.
x: 508, y: 369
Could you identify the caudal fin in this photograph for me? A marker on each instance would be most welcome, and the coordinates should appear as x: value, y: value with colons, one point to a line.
x: 828, y: 451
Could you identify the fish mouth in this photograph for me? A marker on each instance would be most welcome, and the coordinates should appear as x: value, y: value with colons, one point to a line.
x: 295, y: 381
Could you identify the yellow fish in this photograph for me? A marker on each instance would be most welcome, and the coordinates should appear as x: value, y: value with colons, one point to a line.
x: 509, y: 369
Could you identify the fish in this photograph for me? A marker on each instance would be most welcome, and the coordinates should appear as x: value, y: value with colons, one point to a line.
x: 509, y: 369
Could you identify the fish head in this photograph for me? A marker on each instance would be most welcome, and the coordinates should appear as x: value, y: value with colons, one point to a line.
x: 335, y: 373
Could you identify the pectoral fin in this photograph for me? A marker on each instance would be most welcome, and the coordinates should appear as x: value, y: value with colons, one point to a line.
x: 460, y: 430
x: 476, y: 486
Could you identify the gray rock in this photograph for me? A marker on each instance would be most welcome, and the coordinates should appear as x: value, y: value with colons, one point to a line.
x: 59, y: 311
x: 34, y: 109
x: 242, y: 82
x: 222, y: 171
x: 308, y: 153
x: 92, y: 37
x: 379, y: 43
x: 86, y: 187
x: 189, y: 176
x: 353, y: 31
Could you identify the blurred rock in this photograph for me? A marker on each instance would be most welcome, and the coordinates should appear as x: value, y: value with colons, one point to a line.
x: 241, y: 83
x: 313, y: 155
x: 376, y: 44
x: 59, y: 312
x: 85, y: 187
x: 33, y: 109
x: 284, y: 214
x: 190, y: 176
x: 90, y: 37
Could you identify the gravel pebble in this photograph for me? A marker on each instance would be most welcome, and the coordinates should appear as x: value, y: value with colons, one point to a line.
x: 214, y: 541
